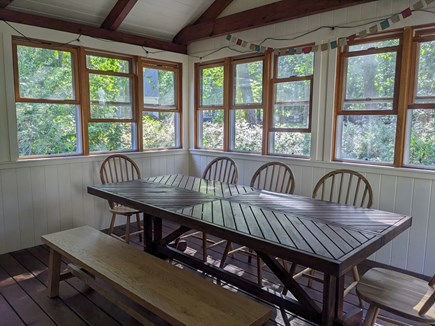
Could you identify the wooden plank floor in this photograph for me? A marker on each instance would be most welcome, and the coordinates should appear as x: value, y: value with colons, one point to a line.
x: 24, y: 301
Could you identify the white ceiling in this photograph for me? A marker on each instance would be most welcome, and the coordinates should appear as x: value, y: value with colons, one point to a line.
x: 159, y: 19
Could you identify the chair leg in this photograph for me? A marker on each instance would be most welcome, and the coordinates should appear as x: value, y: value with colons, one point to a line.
x: 371, y: 315
x: 310, y: 280
x: 139, y: 226
x: 225, y: 254
x: 251, y: 252
x: 112, y: 224
x: 259, y: 271
x: 127, y: 230
x: 356, y: 280
x: 204, y: 247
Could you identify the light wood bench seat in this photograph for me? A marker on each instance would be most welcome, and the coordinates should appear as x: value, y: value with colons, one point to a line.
x: 177, y: 296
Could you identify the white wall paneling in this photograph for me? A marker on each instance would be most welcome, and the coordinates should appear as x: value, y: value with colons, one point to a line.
x: 47, y: 196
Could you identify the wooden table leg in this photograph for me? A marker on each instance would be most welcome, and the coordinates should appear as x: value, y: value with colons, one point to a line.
x: 158, y: 229
x: 53, y: 273
x: 148, y: 232
x: 329, y: 300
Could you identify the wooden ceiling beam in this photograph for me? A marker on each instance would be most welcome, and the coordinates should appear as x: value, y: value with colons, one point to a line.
x: 213, y: 11
x: 268, y: 14
x: 118, y: 13
x: 209, y: 15
x: 5, y: 3
x: 76, y: 28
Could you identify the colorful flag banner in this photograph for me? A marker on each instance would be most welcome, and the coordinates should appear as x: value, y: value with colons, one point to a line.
x: 342, y: 41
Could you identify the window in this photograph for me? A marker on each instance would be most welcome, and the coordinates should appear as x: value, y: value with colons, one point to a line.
x: 47, y: 100
x: 111, y: 123
x: 230, y: 104
x: 420, y: 135
x: 161, y: 106
x: 290, y: 132
x: 113, y: 103
x: 366, y: 120
x: 246, y: 114
x: 210, y: 114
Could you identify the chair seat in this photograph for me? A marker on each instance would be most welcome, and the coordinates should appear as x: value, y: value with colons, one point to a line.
x: 396, y: 292
x: 123, y: 210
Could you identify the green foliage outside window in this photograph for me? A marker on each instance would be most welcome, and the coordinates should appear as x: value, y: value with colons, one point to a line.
x: 45, y: 73
x: 110, y: 98
x: 212, y: 86
x: 422, y: 122
x: 159, y: 129
x: 46, y: 128
x: 368, y: 138
x: 212, y: 124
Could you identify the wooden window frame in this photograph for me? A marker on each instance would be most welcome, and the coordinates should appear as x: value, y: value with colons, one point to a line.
x: 275, y: 80
x: 198, y: 101
x: 143, y: 107
x: 228, y: 96
x: 82, y: 98
x: 86, y: 112
x: 343, y: 55
x: 415, y: 36
x: 34, y: 43
x: 232, y: 106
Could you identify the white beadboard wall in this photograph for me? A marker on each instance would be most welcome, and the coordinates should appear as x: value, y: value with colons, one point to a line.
x: 40, y: 197
x: 406, y: 191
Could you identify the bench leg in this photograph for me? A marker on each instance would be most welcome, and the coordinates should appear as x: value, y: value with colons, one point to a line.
x: 53, y: 274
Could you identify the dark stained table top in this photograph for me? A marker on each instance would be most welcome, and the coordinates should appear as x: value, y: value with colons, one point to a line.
x: 327, y: 236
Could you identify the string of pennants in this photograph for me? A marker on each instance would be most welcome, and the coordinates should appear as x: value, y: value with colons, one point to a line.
x: 342, y: 41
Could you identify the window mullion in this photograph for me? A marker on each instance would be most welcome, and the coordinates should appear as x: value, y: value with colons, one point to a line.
x: 407, y: 56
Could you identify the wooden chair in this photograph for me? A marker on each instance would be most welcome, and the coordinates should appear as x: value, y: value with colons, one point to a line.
x: 119, y: 168
x: 397, y: 293
x: 344, y: 187
x: 272, y: 176
x: 222, y: 169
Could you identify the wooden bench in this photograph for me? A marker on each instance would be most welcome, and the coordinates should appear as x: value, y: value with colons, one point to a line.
x: 177, y: 296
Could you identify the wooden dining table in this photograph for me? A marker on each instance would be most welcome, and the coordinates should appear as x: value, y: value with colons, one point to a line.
x: 328, y: 237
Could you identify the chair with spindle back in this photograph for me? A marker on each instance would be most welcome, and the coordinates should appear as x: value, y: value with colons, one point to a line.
x: 346, y: 187
x: 272, y: 176
x: 222, y: 169
x: 118, y: 168
x: 398, y: 293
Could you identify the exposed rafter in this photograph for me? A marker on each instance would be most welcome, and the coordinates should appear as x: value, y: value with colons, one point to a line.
x: 213, y: 11
x: 260, y: 16
x: 5, y: 3
x: 209, y: 15
x: 118, y: 13
x: 65, y: 26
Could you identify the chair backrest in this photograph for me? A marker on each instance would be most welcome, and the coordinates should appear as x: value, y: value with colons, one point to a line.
x: 274, y: 176
x: 344, y: 187
x: 222, y: 169
x: 118, y: 168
